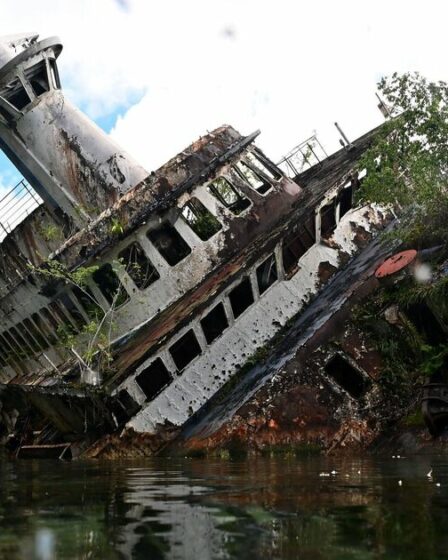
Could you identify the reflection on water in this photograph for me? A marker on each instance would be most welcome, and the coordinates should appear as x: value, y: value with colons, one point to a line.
x: 198, y: 509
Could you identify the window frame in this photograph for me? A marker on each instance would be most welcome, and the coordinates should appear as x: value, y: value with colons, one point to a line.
x: 189, y: 331
x: 217, y: 196
x: 207, y: 213
x: 259, y: 265
x: 169, y: 374
x: 245, y: 279
x: 207, y: 315
x: 127, y: 266
x: 170, y: 227
x: 121, y: 287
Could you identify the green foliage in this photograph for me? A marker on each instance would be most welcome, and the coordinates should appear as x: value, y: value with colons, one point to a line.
x: 55, y: 270
x: 66, y: 335
x: 414, y: 419
x: 399, y: 348
x: 206, y: 225
x: 433, y: 359
x: 51, y: 232
x: 408, y: 162
x: 95, y: 336
x: 116, y: 227
x: 411, y: 292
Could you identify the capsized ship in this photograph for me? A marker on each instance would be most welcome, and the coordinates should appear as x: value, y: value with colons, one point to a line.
x: 129, y: 298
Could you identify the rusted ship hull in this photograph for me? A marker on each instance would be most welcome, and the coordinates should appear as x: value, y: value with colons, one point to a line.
x: 128, y: 300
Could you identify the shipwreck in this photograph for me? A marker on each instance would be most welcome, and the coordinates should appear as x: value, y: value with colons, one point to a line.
x: 129, y: 298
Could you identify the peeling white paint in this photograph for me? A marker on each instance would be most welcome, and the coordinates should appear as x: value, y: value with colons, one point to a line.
x: 258, y: 324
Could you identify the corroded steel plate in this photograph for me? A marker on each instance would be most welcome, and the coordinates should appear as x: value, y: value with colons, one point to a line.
x: 395, y: 263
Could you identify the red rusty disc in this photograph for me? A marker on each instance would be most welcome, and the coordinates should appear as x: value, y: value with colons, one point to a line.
x: 395, y: 263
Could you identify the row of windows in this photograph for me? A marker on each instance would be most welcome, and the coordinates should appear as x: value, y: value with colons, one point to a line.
x: 64, y: 316
x: 28, y: 336
x: 156, y: 376
x: 40, y: 333
x: 71, y: 311
x: 169, y: 242
x: 153, y: 379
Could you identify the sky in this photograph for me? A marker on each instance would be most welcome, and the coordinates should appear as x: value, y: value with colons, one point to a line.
x: 156, y: 75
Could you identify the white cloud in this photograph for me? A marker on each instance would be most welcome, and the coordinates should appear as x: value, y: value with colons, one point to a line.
x: 287, y: 67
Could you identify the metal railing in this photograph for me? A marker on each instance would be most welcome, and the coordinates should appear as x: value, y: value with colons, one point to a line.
x: 15, y: 206
x: 304, y: 155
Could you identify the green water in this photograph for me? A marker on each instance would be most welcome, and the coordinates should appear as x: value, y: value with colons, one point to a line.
x: 200, y: 509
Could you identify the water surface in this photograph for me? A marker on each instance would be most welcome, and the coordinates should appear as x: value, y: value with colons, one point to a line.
x: 288, y: 508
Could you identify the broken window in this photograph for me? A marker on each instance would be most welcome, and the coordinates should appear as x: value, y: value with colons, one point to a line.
x: 201, y: 221
x: 43, y: 328
x: 17, y: 95
x: 266, y: 274
x: 255, y: 180
x: 72, y: 311
x: 123, y: 406
x: 21, y: 338
x: 51, y: 319
x: 228, y: 196
x: 15, y: 348
x: 260, y: 164
x: 153, y: 379
x: 297, y: 243
x: 38, y: 78
x: 170, y: 244
x: 185, y: 350
x: 241, y: 297
x: 138, y: 266
x: 35, y: 334
x: 214, y: 323
x: 346, y: 376
x: 10, y: 353
x: 345, y: 200
x: 328, y: 219
x: 257, y: 172
x: 110, y: 286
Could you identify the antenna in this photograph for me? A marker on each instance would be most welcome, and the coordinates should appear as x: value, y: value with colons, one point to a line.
x: 344, y: 141
x: 385, y: 111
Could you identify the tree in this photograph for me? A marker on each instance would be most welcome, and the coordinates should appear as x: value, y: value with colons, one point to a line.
x: 408, y: 161
x: 407, y: 167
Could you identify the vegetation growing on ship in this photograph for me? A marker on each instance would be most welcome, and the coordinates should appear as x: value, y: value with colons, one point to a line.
x: 408, y: 163
x: 407, y: 167
x: 91, y: 342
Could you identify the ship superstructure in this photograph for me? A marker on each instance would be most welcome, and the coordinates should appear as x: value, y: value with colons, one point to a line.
x: 130, y: 298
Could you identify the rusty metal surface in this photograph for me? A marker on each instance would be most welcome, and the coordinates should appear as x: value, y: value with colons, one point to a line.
x: 28, y: 242
x: 334, y: 295
x: 247, y: 238
x: 394, y: 264
x: 342, y: 158
x: 156, y: 193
